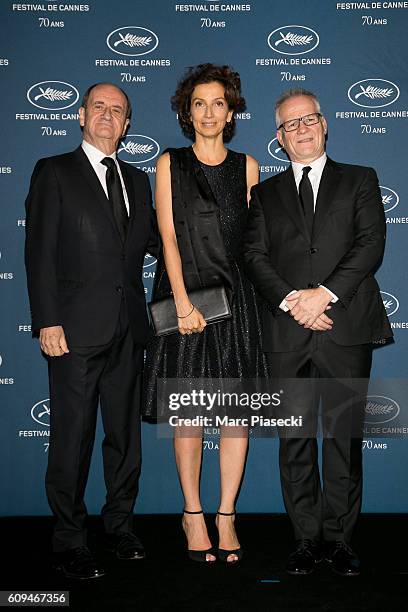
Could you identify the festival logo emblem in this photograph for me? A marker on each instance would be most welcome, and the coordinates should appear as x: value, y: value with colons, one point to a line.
x: 40, y: 412
x: 138, y: 149
x: 373, y: 93
x: 293, y: 40
x: 53, y: 95
x: 149, y: 260
x: 380, y: 409
x: 132, y: 40
x: 391, y: 304
x: 390, y: 198
x: 276, y: 151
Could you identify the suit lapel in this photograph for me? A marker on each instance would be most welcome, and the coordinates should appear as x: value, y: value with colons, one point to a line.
x: 290, y: 199
x: 326, y: 195
x: 89, y: 175
x: 130, y: 190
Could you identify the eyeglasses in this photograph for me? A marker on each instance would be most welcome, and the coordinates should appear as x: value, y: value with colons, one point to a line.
x: 293, y: 124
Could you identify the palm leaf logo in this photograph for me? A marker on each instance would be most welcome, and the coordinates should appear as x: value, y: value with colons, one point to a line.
x: 132, y: 40
x: 374, y: 409
x: 293, y: 39
x: 386, y: 199
x: 53, y: 94
x: 45, y: 411
x: 135, y: 148
x: 374, y: 93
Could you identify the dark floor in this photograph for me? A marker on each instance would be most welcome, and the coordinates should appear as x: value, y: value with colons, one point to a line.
x: 167, y: 580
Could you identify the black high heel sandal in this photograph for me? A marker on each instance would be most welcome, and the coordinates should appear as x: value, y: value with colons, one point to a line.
x: 223, y: 554
x: 200, y: 555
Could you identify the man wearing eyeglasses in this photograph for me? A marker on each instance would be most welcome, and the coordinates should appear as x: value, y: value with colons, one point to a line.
x: 89, y: 223
x: 314, y: 238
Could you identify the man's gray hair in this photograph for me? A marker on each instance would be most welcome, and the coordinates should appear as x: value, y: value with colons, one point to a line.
x: 294, y: 92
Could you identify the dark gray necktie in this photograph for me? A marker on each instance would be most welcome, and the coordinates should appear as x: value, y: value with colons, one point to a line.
x: 306, y: 199
x: 115, y: 195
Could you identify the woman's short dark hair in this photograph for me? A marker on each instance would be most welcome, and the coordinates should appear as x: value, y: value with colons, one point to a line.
x: 207, y: 73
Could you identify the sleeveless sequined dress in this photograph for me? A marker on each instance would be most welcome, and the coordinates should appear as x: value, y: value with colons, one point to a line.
x: 231, y: 348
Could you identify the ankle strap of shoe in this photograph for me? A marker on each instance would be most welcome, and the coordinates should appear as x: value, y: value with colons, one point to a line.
x: 190, y: 512
x: 226, y: 513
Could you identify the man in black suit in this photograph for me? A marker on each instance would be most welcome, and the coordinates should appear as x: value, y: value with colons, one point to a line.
x: 89, y: 225
x: 314, y: 238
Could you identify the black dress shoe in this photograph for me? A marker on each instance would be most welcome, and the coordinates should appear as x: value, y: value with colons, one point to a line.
x: 342, y: 559
x: 304, y: 558
x: 78, y: 563
x: 126, y: 546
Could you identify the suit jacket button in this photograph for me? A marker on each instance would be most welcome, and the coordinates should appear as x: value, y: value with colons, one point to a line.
x: 313, y: 250
x: 123, y: 257
x: 119, y: 289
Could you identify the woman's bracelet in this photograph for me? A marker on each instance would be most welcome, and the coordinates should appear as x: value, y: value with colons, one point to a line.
x: 187, y: 315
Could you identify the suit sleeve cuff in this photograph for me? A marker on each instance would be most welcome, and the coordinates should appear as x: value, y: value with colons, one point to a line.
x: 333, y: 295
x: 283, y: 305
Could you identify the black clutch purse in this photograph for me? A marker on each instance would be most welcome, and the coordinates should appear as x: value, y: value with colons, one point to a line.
x: 212, y: 302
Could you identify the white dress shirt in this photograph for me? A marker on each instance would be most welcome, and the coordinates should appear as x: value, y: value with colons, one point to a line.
x: 315, y: 175
x: 95, y: 156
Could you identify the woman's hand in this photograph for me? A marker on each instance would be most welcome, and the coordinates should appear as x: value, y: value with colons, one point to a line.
x: 192, y: 323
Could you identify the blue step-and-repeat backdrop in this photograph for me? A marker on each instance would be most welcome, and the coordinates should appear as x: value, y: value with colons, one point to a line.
x: 352, y: 54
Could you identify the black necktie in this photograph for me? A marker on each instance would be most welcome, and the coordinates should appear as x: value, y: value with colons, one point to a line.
x: 115, y: 195
x: 306, y: 199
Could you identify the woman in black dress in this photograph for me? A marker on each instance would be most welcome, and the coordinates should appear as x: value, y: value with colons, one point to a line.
x: 202, y: 195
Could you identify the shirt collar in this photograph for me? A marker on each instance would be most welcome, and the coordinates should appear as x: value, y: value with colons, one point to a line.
x: 94, y: 154
x: 317, y: 166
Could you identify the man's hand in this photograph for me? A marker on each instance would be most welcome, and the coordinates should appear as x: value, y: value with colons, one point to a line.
x: 308, y: 305
x: 322, y: 323
x: 52, y: 341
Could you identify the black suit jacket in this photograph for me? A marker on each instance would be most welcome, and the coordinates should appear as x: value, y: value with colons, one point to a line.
x: 78, y: 269
x: 346, y: 247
